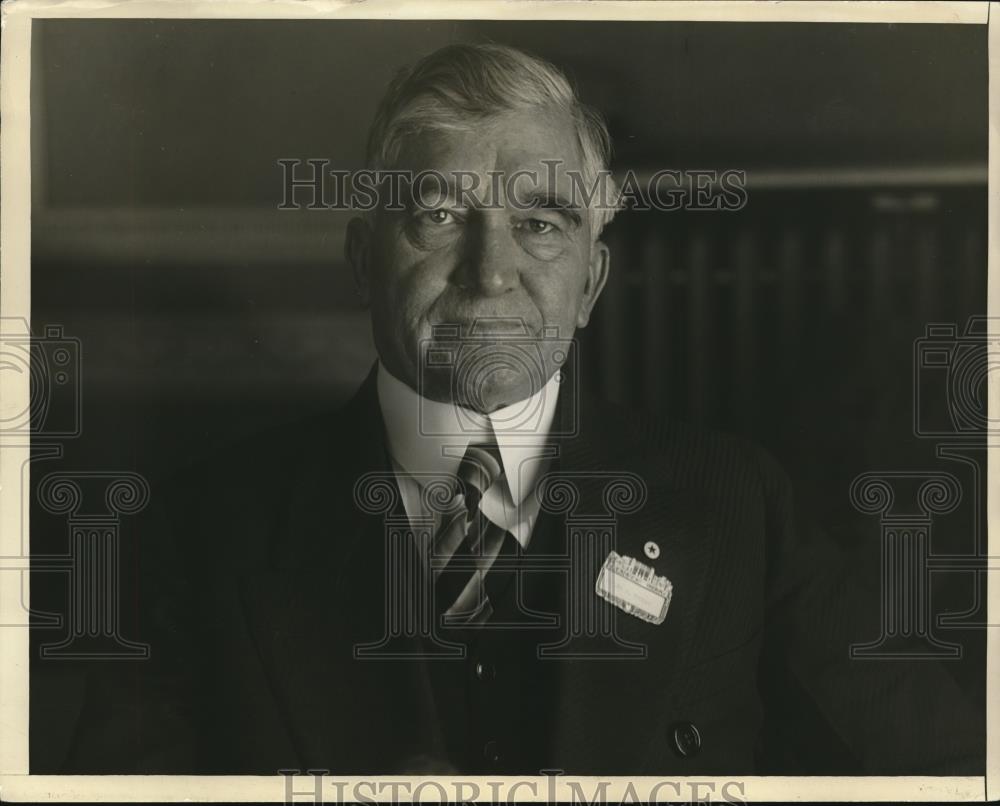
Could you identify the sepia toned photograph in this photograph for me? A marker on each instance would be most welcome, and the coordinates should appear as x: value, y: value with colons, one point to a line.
x: 521, y: 398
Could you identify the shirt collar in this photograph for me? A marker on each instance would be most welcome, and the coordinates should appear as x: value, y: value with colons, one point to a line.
x: 428, y: 436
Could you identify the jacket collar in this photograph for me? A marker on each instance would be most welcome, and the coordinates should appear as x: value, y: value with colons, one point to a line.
x: 429, y: 436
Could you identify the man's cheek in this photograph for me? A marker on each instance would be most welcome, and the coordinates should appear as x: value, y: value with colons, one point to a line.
x: 417, y: 300
x: 423, y: 281
x: 556, y: 293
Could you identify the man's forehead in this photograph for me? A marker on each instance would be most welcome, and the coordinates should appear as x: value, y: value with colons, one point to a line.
x: 541, y: 142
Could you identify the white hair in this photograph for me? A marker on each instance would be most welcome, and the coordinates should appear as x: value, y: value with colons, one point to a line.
x: 473, y: 82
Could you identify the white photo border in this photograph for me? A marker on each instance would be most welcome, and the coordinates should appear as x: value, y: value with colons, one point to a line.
x: 15, y: 298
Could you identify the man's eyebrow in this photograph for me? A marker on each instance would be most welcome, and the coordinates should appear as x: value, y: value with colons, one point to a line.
x: 556, y: 202
x: 414, y: 192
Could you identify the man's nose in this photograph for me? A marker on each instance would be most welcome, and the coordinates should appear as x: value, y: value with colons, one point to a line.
x: 490, y: 264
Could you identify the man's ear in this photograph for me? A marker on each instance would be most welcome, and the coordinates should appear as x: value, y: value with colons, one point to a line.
x: 597, y: 276
x: 357, y: 250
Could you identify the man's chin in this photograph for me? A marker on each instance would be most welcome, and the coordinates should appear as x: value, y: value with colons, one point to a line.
x: 483, y: 374
x: 485, y: 393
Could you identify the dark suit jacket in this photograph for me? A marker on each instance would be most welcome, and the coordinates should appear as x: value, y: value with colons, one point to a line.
x: 276, y: 575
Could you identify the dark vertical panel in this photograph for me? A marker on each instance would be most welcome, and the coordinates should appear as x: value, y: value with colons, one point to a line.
x: 744, y: 345
x: 790, y: 269
x: 657, y: 366
x: 699, y: 326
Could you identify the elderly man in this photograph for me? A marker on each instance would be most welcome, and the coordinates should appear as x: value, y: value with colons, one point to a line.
x: 471, y: 567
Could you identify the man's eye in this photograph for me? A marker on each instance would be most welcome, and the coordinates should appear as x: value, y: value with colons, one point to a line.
x: 440, y: 217
x: 538, y: 227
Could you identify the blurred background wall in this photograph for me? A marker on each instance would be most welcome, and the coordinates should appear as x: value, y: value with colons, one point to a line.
x: 204, y: 312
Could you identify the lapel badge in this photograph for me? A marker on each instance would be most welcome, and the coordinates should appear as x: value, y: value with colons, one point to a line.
x: 652, y: 550
x: 634, y: 587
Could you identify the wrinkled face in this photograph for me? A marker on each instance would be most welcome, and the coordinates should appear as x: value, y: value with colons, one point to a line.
x: 475, y: 302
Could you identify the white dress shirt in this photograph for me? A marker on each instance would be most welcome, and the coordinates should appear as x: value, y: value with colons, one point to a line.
x: 430, y: 437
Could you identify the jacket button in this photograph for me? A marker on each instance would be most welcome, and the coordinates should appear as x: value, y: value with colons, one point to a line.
x: 485, y: 671
x: 687, y: 740
x: 491, y: 750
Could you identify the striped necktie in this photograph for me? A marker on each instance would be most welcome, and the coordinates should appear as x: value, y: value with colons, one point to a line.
x: 462, y: 588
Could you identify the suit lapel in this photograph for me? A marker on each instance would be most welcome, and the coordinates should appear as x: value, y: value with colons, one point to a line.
x: 608, y: 692
x: 307, y: 615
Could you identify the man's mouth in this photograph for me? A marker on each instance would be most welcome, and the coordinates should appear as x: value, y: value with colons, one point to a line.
x: 485, y: 327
